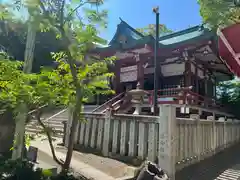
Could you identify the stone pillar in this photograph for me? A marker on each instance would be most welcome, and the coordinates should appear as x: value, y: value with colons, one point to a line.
x: 106, y: 133
x: 167, y: 139
x: 230, y: 131
x: 213, y: 134
x: 222, y: 119
x: 197, y: 136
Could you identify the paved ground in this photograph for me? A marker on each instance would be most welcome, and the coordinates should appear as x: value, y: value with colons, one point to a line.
x: 223, y: 166
x: 87, y: 164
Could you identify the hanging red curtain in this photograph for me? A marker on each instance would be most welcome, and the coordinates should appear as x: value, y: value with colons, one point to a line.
x: 229, y: 47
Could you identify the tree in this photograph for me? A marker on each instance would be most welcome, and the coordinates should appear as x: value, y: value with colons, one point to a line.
x: 13, y: 40
x: 77, y: 37
x: 229, y: 95
x: 49, y: 87
x: 218, y: 13
x: 14, y: 93
x: 151, y: 30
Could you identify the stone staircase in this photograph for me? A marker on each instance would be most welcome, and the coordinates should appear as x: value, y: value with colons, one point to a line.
x: 54, y: 121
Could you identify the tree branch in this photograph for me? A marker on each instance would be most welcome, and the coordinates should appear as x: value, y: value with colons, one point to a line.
x: 49, y: 139
x: 45, y: 13
x: 62, y: 13
x: 74, y: 10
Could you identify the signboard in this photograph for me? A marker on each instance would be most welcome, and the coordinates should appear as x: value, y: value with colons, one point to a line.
x: 128, y: 76
x: 129, y: 68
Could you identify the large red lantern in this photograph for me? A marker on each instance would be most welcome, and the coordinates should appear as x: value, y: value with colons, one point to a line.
x: 229, y: 47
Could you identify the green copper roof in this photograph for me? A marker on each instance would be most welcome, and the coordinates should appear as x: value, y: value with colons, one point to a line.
x: 190, y: 34
x: 124, y: 29
x: 181, y: 38
x: 134, y: 38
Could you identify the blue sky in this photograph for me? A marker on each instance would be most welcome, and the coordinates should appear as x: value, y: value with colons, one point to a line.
x: 177, y: 15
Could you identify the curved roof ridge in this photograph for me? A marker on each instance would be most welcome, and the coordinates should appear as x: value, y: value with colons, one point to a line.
x: 182, y: 32
x: 127, y: 26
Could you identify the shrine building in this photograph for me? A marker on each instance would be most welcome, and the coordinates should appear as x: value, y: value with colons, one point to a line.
x: 189, y: 65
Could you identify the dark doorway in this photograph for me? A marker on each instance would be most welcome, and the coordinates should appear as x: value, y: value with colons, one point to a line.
x: 201, y: 87
x: 149, y: 83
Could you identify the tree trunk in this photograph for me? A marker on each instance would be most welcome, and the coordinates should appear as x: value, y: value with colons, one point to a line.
x: 38, y: 116
x: 77, y: 106
x: 19, y: 132
x: 22, y: 110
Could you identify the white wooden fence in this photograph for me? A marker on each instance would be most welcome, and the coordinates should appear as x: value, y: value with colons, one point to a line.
x: 175, y: 142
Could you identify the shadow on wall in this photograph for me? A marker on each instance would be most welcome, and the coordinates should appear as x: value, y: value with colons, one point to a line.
x: 7, y: 128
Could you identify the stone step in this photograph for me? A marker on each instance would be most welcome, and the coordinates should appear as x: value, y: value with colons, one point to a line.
x: 32, y: 131
x: 58, y: 119
x: 38, y: 127
x: 50, y: 122
x: 57, y: 126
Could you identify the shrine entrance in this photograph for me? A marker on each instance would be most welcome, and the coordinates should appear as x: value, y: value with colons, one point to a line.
x: 149, y: 83
x: 201, y: 87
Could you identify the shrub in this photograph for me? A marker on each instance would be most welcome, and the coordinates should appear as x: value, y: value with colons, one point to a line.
x: 24, y: 170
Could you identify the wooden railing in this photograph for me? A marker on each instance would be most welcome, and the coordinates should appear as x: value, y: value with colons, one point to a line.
x: 107, y: 104
x: 175, y: 142
x: 183, y: 95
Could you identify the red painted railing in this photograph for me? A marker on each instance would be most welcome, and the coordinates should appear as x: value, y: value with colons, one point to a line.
x: 182, y: 95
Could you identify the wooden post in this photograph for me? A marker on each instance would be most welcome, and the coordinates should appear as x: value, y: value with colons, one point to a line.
x: 196, y: 77
x: 116, y: 83
x: 140, y: 71
x: 188, y: 72
x: 167, y: 139
x: 106, y: 133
